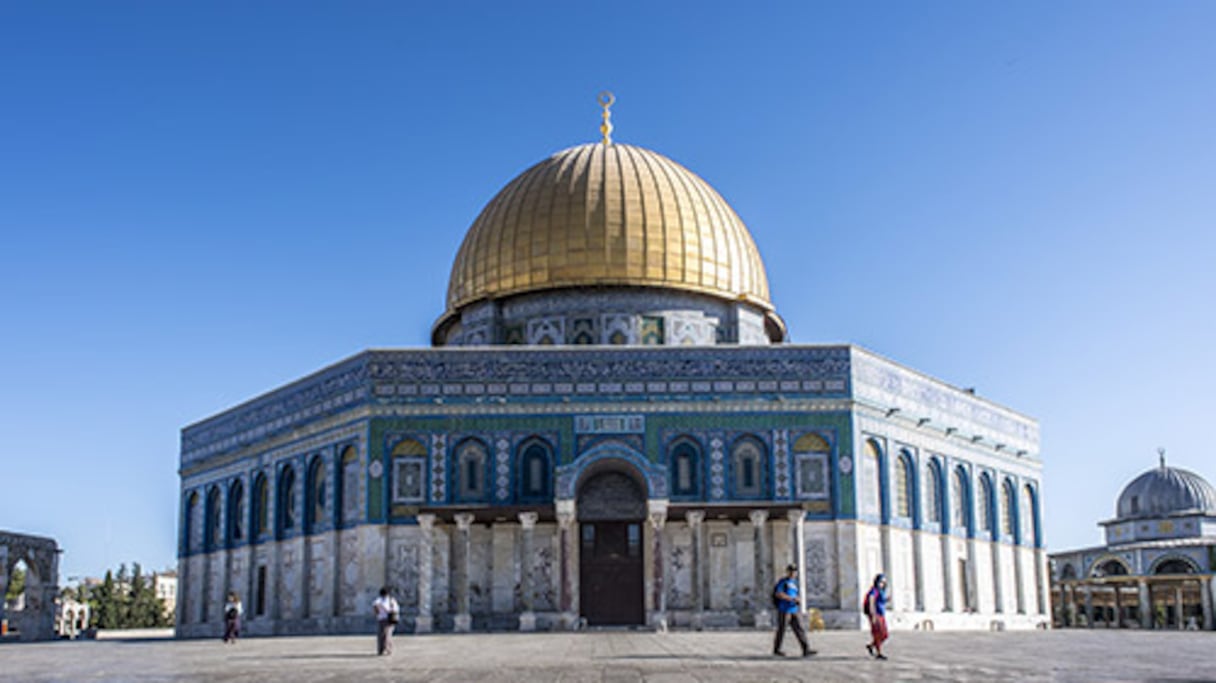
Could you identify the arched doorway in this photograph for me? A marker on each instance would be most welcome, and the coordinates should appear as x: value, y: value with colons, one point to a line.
x: 611, y: 508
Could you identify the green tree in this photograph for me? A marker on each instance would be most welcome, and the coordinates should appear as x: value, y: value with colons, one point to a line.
x: 16, y: 584
x: 106, y: 604
x: 145, y: 610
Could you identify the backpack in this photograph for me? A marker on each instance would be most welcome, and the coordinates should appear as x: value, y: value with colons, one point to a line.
x: 865, y: 603
x: 231, y: 614
x: 777, y: 600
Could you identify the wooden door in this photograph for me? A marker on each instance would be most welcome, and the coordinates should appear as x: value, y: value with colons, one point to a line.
x: 610, y: 573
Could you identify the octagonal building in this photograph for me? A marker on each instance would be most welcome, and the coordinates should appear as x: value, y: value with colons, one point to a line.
x: 609, y: 430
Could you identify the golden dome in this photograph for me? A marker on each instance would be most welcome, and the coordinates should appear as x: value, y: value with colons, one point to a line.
x: 607, y: 214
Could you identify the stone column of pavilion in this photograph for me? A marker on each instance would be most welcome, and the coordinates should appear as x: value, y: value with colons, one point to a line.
x: 1205, y: 598
x: 694, y: 518
x: 1118, y: 604
x: 760, y: 562
x: 918, y: 563
x: 947, y: 555
x: 998, y: 591
x: 797, y: 525
x: 527, y: 526
x: 1178, y: 611
x: 569, y: 563
x: 424, y: 622
x: 657, y: 516
x: 463, y: 620
x: 1019, y: 590
x: 1089, y: 606
x: 971, y: 582
x: 1146, y: 604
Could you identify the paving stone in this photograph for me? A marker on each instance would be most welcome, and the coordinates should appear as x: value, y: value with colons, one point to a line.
x: 612, y: 657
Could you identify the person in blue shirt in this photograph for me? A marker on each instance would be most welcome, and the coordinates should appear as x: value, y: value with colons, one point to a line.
x: 785, y: 599
x: 875, y: 609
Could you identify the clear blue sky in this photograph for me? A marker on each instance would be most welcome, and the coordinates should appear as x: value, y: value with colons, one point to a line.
x: 201, y: 201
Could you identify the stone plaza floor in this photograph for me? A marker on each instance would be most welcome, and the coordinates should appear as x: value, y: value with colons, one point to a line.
x: 620, y: 656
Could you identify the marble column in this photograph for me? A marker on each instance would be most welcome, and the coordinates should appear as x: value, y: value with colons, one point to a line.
x: 998, y: 590
x: 527, y: 529
x: 460, y: 562
x: 424, y: 622
x: 569, y: 563
x: 762, y: 599
x: 1118, y: 605
x: 1089, y: 606
x: 1070, y: 604
x: 797, y: 526
x: 1178, y: 606
x: 1205, y: 599
x: 1146, y: 604
x: 1019, y: 579
x: 657, y: 516
x: 694, y: 518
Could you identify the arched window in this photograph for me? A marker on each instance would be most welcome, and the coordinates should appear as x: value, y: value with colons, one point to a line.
x: 236, y: 512
x: 685, y: 464
x: 903, y: 485
x: 987, y: 502
x: 870, y: 478
x: 286, y: 496
x: 1030, y: 516
x: 471, y: 470
x: 349, y: 488
x: 261, y: 506
x: 747, y: 459
x: 213, y: 532
x: 314, y: 513
x: 1174, y: 565
x: 933, y: 492
x: 534, y: 470
x: 960, y: 500
x: 190, y: 532
x: 1008, y: 503
x: 1111, y: 567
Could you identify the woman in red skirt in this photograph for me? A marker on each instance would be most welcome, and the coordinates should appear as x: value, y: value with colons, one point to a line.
x: 875, y: 608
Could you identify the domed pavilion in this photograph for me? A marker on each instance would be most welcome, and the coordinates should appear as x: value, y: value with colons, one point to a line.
x: 1155, y: 570
x: 610, y: 429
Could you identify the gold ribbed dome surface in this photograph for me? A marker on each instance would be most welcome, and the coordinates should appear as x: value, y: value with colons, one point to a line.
x: 607, y: 214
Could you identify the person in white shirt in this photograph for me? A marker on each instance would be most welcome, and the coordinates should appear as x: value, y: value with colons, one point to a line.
x: 388, y: 612
x: 232, y: 618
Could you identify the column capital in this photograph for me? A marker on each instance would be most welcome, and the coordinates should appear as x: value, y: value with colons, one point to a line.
x: 795, y: 516
x: 565, y: 512
x: 758, y: 517
x: 464, y: 520
x: 694, y: 518
x: 528, y: 520
x: 426, y: 521
x: 656, y: 512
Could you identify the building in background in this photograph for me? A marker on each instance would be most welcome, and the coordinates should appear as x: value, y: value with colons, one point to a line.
x: 1155, y: 569
x: 609, y: 430
x: 164, y: 584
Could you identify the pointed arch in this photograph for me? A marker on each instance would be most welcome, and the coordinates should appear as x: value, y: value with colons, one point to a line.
x: 960, y: 501
x: 236, y: 512
x: 684, y: 463
x: 933, y: 492
x: 471, y: 460
x: 347, y: 507
x: 534, y: 470
x: 749, y: 477
x: 285, y: 497
x: 315, y: 495
x: 987, y: 506
x: 213, y: 532
x: 259, y: 520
